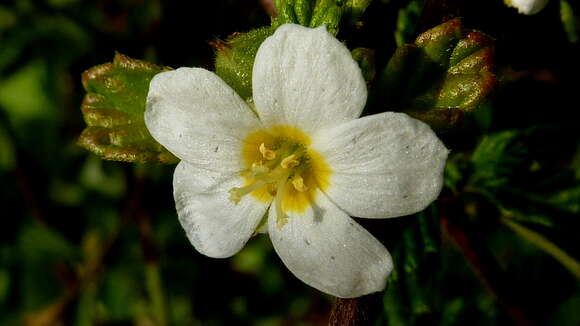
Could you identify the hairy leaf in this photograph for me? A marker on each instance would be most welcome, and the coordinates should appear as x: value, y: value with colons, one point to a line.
x: 234, y: 59
x: 314, y: 13
x: 113, y: 110
x: 446, y: 73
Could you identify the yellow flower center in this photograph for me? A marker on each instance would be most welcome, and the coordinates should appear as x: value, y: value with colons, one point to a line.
x: 280, y: 166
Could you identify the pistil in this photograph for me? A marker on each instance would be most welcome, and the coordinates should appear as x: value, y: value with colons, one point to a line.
x: 274, y: 170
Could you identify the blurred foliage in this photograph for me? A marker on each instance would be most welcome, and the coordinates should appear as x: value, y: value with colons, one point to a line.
x: 93, y: 242
x: 569, y: 16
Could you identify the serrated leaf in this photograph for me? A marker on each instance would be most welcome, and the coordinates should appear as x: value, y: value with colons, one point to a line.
x: 234, y: 59
x: 113, y: 110
x: 446, y: 73
x: 498, y: 155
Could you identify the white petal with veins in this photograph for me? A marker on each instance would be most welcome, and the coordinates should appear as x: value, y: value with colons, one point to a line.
x: 214, y: 224
x: 199, y: 118
x: 384, y: 165
x: 305, y: 77
x: 329, y: 251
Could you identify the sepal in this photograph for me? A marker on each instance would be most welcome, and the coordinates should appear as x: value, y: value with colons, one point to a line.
x: 113, y: 110
x: 446, y: 73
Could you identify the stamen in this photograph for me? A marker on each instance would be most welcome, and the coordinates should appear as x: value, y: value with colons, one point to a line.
x: 281, y: 217
x: 271, y: 187
x: 298, y: 184
x: 289, y: 162
x: 267, y: 153
x: 258, y: 170
x: 236, y: 193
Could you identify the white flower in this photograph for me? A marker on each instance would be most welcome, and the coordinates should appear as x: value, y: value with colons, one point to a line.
x: 302, y: 156
x: 527, y: 7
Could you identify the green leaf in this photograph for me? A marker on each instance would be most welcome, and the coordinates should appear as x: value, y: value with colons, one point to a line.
x: 446, y: 73
x: 40, y: 250
x: 567, y: 200
x: 545, y: 245
x: 314, y: 13
x: 113, y: 110
x: 94, y: 176
x: 234, y: 59
x: 392, y: 301
x: 7, y: 152
x: 406, y: 21
x: 40, y: 244
x: 24, y: 95
x: 4, y: 285
x: 569, y: 21
x: 366, y: 61
x: 567, y: 313
x: 154, y: 286
x: 355, y: 8
x: 120, y: 293
x: 498, y: 155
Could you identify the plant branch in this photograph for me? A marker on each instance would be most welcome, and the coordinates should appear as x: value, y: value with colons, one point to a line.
x: 483, y: 265
x: 357, y: 311
x: 544, y: 244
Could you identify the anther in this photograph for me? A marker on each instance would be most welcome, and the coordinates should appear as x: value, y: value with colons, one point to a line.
x: 298, y: 184
x: 267, y: 153
x: 289, y: 162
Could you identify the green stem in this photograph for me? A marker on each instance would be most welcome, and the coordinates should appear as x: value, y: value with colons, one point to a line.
x: 545, y: 245
x: 155, y: 291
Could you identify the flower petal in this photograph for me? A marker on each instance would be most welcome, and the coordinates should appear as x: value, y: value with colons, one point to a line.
x: 528, y: 7
x: 200, y: 119
x: 384, y: 165
x: 305, y: 77
x: 329, y: 251
x: 215, y: 226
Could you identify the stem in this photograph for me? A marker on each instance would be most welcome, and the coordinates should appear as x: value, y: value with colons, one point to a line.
x: 484, y: 266
x: 154, y: 287
x: 354, y: 312
x: 153, y: 280
x: 545, y: 245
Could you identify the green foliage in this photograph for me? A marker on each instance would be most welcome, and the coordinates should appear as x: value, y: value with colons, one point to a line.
x: 113, y: 110
x: 234, y: 59
x: 446, y: 73
x: 365, y: 58
x: 406, y: 21
x: 314, y: 13
x: 570, y: 21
